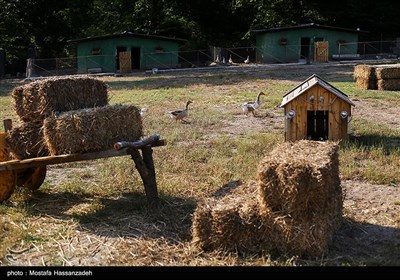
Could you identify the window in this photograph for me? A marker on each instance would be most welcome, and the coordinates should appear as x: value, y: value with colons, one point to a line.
x: 283, y: 42
x: 96, y: 51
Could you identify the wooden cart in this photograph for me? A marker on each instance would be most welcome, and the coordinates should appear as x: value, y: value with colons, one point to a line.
x: 30, y: 173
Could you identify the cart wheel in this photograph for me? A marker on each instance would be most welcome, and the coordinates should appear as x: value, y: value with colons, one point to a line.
x: 32, y: 178
x: 8, y: 179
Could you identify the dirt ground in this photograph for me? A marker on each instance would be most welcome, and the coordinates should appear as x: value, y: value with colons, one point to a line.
x: 372, y: 215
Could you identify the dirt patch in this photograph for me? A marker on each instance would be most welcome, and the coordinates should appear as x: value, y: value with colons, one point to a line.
x: 371, y: 230
x: 380, y: 111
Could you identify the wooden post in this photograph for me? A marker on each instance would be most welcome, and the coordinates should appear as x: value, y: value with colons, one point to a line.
x: 145, y: 167
x: 144, y: 163
x: 7, y: 124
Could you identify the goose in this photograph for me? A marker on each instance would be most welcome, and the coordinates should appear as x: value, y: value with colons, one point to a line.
x: 230, y: 60
x: 143, y: 111
x: 247, y: 61
x: 180, y: 114
x: 251, y: 106
x: 217, y: 59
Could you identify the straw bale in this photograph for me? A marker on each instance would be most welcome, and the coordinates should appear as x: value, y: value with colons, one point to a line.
x: 389, y: 84
x: 42, y: 98
x: 299, y: 189
x: 364, y: 71
x: 293, y: 208
x: 362, y: 83
x: 92, y: 129
x: 230, y: 223
x: 301, y: 237
x: 388, y: 71
x: 297, y: 177
x: 26, y: 141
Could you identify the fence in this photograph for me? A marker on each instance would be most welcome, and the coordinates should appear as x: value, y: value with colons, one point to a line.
x: 370, y: 50
x: 212, y: 56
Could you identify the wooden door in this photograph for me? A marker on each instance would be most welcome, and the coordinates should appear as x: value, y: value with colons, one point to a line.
x: 321, y: 51
x: 125, y: 64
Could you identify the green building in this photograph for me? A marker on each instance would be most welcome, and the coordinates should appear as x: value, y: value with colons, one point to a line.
x: 296, y: 43
x: 126, y: 52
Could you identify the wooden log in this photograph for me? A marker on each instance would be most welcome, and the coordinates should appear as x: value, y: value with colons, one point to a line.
x: 40, y: 161
x: 125, y: 148
x: 153, y: 140
x: 7, y: 124
x: 146, y: 170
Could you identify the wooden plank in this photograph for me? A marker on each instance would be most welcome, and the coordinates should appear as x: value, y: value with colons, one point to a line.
x: 321, y: 51
x: 48, y: 160
x: 145, y: 167
x: 154, y: 140
x: 120, y: 149
x: 125, y: 64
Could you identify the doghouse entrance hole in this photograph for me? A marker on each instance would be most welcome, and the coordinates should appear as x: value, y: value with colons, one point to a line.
x: 317, y: 125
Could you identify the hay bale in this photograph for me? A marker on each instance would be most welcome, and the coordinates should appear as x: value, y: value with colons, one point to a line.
x: 230, y: 223
x: 26, y: 141
x: 365, y: 76
x: 42, y: 98
x: 299, y: 189
x: 364, y: 71
x: 389, y: 84
x: 391, y: 71
x: 294, y: 208
x: 92, y: 129
x: 362, y: 83
x: 301, y: 179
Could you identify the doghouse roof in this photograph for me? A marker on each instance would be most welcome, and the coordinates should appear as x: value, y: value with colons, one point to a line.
x: 309, y: 83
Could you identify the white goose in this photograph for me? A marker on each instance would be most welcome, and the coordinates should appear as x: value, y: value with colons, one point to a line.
x: 251, y: 106
x: 143, y: 111
x: 230, y: 60
x: 180, y: 114
x: 247, y: 61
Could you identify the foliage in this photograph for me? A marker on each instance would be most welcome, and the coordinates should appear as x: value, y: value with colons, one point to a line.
x: 46, y: 26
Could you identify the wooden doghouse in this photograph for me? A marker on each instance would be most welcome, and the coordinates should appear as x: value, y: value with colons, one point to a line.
x: 316, y: 110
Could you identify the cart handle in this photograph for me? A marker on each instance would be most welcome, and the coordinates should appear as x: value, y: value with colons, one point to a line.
x: 153, y: 140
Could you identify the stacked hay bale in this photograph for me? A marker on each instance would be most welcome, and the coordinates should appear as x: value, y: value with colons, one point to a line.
x: 92, y: 129
x: 230, y: 223
x: 26, y: 140
x: 299, y: 188
x: 380, y: 77
x: 365, y: 76
x: 294, y: 207
x: 388, y: 77
x: 45, y: 101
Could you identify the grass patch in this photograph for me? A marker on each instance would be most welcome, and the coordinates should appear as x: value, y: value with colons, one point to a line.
x: 96, y: 211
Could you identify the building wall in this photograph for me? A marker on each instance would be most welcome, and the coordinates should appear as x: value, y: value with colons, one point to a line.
x: 296, y: 128
x: 106, y: 57
x: 270, y: 50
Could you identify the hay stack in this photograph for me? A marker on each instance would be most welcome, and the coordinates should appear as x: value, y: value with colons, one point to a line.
x: 365, y: 76
x: 387, y: 72
x: 294, y: 208
x: 38, y: 100
x: 231, y: 222
x: 42, y: 98
x: 388, y: 77
x: 92, y: 129
x: 381, y: 77
x: 26, y: 141
x: 364, y: 71
x: 299, y: 186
